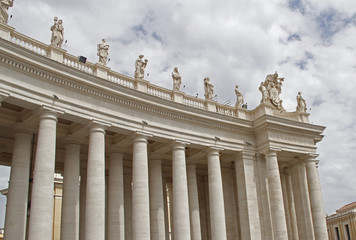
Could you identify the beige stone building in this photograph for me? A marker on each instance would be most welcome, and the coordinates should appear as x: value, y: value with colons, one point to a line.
x: 342, y: 224
x: 143, y: 162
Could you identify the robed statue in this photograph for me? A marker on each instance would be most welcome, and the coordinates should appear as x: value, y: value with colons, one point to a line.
x: 140, y: 66
x: 4, y: 7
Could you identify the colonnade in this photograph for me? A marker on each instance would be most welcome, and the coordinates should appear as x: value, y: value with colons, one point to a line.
x: 254, y: 199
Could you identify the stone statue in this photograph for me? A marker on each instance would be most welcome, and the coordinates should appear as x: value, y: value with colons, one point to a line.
x: 302, y: 106
x: 4, y: 7
x: 57, y: 32
x: 264, y: 91
x: 239, y: 97
x: 271, y: 89
x: 177, y: 80
x: 103, y: 49
x: 208, y: 88
x: 140, y: 66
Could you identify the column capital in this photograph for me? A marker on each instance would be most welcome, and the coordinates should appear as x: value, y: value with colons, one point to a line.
x: 21, y: 128
x: 155, y: 157
x: 115, y: 149
x: 140, y: 136
x: 214, y: 150
x: 48, y: 112
x: 69, y: 139
x: 311, y: 158
x: 3, y: 96
x: 98, y: 126
x: 179, y: 144
x: 273, y: 152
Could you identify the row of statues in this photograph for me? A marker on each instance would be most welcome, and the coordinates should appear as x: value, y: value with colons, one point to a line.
x: 270, y: 89
x: 4, y: 7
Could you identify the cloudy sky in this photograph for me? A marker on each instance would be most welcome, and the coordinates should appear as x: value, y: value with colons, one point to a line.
x: 311, y: 43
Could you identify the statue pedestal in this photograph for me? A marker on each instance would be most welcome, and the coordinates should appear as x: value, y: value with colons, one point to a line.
x: 56, y: 53
x: 241, y: 113
x: 141, y: 85
x: 178, y: 96
x: 303, y: 117
x: 263, y: 109
x: 6, y: 31
x: 210, y: 105
x: 101, y: 71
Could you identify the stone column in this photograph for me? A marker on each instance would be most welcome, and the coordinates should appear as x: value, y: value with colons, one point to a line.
x: 302, y: 201
x: 17, y: 198
x: 316, y: 200
x: 128, y: 205
x: 158, y: 230
x: 116, y: 216
x: 95, y: 194
x: 216, y: 197
x: 193, y: 203
x: 276, y: 197
x: 293, y: 217
x: 41, y: 213
x: 83, y: 191
x: 247, y: 197
x: 181, y: 219
x: 286, y: 204
x: 71, y: 192
x: 140, y: 190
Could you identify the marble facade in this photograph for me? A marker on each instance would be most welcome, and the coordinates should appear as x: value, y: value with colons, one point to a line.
x: 142, y: 162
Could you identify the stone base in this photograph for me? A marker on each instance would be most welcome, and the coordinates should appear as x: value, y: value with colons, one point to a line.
x: 141, y: 85
x: 6, y: 31
x: 56, y: 53
x: 101, y: 71
x: 178, y: 97
x: 210, y: 105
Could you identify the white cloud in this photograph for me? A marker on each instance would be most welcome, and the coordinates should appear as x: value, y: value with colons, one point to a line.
x: 232, y: 42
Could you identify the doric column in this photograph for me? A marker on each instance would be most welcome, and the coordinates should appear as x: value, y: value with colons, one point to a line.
x: 158, y: 230
x: 316, y: 200
x: 116, y: 216
x: 293, y: 217
x: 216, y: 196
x: 83, y: 193
x: 128, y: 205
x: 276, y: 197
x: 71, y: 191
x: 247, y: 197
x: 181, y: 219
x: 286, y: 204
x: 41, y: 214
x: 140, y: 190
x: 95, y: 194
x: 302, y: 202
x: 16, y: 210
x: 193, y: 203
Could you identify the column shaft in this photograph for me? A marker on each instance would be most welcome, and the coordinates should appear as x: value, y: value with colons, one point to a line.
x: 216, y: 197
x: 16, y: 209
x: 71, y: 193
x: 247, y: 198
x: 116, y: 216
x: 158, y: 229
x: 128, y: 206
x: 41, y: 214
x: 181, y: 219
x: 95, y: 194
x: 293, y: 216
x: 276, y: 197
x: 316, y: 201
x: 140, y: 190
x: 193, y: 203
x: 83, y: 191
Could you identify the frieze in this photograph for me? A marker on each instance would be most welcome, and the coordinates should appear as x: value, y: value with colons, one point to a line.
x: 290, y: 139
x: 122, y: 101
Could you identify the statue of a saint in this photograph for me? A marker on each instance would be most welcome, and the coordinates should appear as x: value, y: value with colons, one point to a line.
x: 271, y: 88
x: 103, y: 49
x: 140, y: 66
x: 57, y: 33
x: 4, y: 7
x: 264, y: 91
x: 208, y: 88
x: 177, y: 80
x: 239, y: 97
x: 302, y: 106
